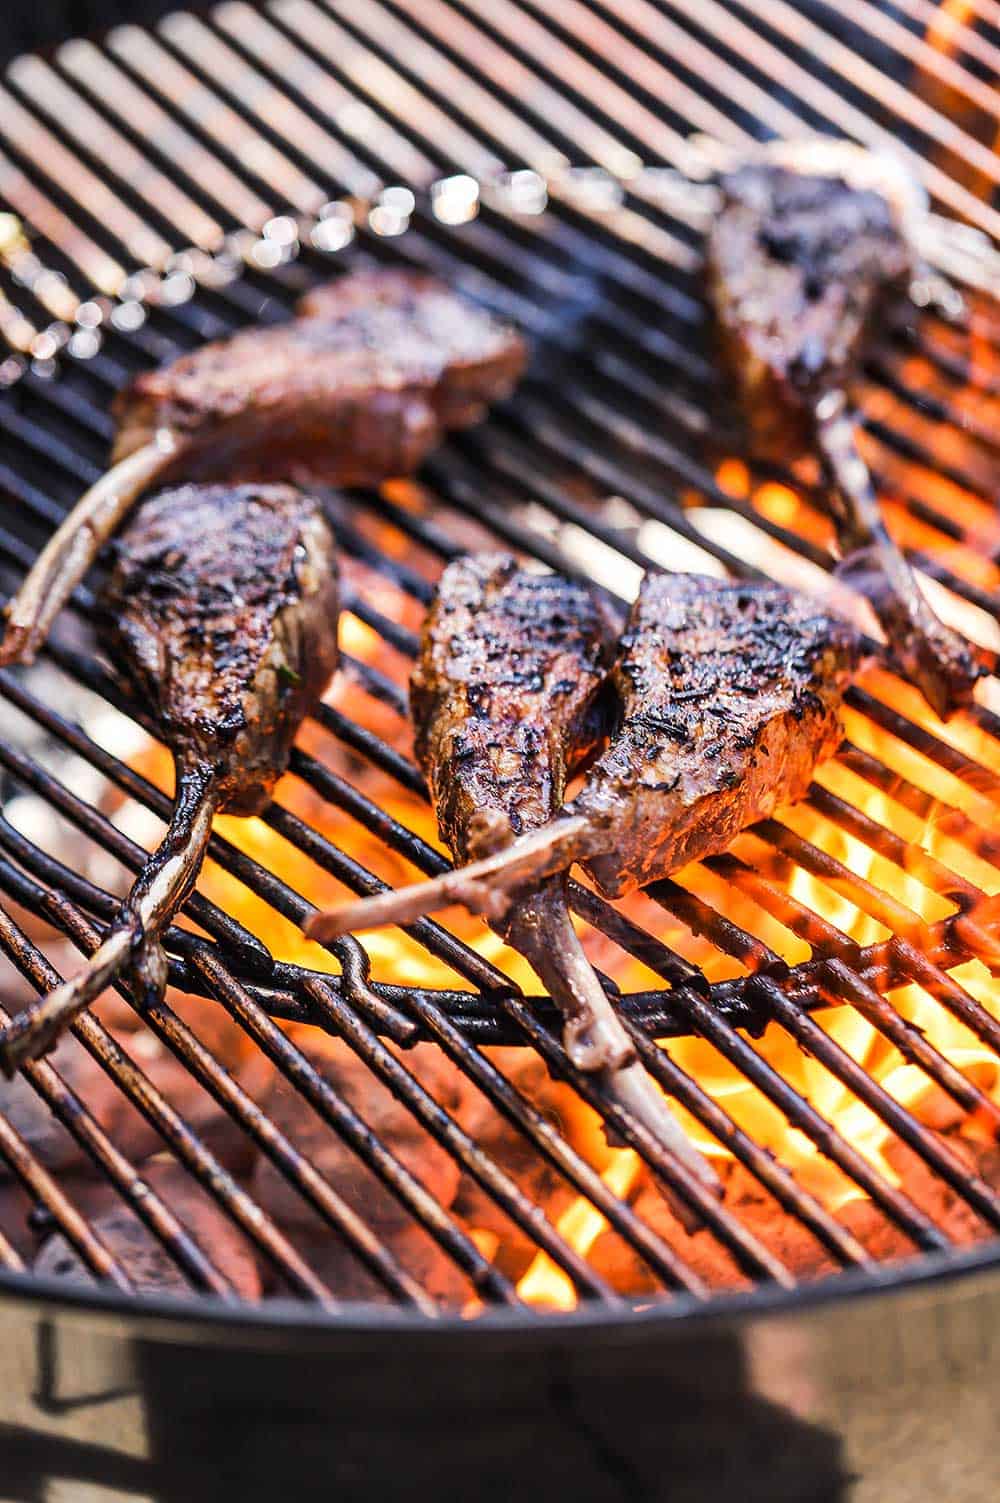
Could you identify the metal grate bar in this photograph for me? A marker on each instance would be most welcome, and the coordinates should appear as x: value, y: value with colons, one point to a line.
x: 67, y: 1107
x: 251, y: 1219
x: 742, y: 40
x: 144, y: 1095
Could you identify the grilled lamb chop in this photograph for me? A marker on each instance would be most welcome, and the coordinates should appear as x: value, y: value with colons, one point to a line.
x: 221, y: 612
x: 800, y: 266
x: 729, y: 697
x: 359, y: 387
x: 504, y: 697
x: 799, y: 269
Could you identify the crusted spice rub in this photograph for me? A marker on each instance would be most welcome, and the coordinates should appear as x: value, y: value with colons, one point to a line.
x: 503, y: 696
x: 221, y: 609
x: 729, y: 696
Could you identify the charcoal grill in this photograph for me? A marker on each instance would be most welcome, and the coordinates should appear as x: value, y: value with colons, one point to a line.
x: 168, y: 184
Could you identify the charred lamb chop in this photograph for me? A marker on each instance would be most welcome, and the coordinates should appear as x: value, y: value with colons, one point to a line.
x: 221, y: 612
x: 359, y: 387
x: 504, y: 697
x: 801, y: 264
x: 729, y: 697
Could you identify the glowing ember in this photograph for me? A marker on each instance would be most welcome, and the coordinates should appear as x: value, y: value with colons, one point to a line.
x: 544, y: 1283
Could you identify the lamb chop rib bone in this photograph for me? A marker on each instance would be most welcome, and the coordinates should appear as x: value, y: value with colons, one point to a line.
x: 729, y: 695
x: 357, y: 388
x: 504, y: 697
x: 928, y: 653
x: 222, y: 612
x: 811, y: 240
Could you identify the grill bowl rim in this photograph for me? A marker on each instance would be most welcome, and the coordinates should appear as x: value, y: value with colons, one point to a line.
x: 286, y: 1317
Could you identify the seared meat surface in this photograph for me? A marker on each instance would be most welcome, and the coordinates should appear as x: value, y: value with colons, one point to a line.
x: 222, y: 611
x: 503, y: 697
x: 479, y: 359
x: 799, y: 268
x: 357, y: 388
x: 729, y: 696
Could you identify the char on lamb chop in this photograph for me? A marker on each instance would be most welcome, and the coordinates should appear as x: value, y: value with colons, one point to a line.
x: 359, y: 387
x: 221, y: 613
x: 729, y: 696
x: 505, y: 707
x: 801, y: 266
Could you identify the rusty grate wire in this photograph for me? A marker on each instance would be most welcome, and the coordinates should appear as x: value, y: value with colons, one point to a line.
x: 172, y: 185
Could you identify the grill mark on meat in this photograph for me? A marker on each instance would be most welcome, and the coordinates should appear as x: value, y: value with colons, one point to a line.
x: 221, y: 611
x: 729, y: 696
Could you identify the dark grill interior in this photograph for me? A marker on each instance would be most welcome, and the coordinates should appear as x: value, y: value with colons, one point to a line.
x: 173, y: 185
